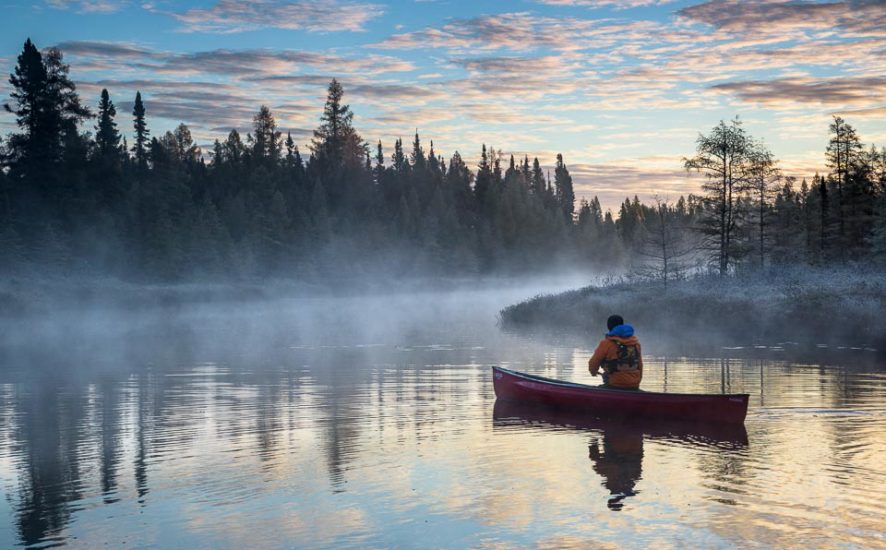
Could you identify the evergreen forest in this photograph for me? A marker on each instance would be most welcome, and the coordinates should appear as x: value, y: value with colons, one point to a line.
x: 79, y: 199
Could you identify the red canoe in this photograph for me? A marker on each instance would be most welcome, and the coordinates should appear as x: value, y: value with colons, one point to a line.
x: 517, y: 386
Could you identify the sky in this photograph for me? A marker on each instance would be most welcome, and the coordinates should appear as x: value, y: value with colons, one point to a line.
x: 622, y: 88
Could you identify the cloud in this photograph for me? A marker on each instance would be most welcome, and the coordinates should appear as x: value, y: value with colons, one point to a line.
x: 106, y: 50
x: 514, y: 31
x: 875, y: 112
x: 195, y: 103
x: 293, y: 80
x: 89, y: 6
x: 298, y: 134
x: 390, y: 91
x: 787, y: 92
x: 233, y: 16
x: 230, y: 111
x: 520, y: 78
x: 642, y: 176
x: 617, y: 4
x: 862, y: 17
x: 246, y: 63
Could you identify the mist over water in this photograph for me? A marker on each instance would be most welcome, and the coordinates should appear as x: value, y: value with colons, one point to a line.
x: 370, y: 420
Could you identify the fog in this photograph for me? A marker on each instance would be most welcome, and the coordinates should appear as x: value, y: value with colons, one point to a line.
x: 186, y: 416
x: 155, y: 325
x: 77, y: 328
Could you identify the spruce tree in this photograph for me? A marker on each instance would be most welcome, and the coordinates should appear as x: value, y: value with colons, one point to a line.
x: 336, y: 142
x: 46, y: 109
x: 418, y: 155
x: 483, y: 183
x: 565, y: 193
x: 31, y: 149
x: 290, y: 150
x: 379, y: 164
x: 233, y: 148
x: 399, y: 158
x: 537, y: 181
x: 107, y: 138
x: 141, y: 132
x: 824, y: 213
x: 266, y: 146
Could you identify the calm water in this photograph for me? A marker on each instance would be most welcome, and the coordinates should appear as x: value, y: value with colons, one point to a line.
x: 371, y: 422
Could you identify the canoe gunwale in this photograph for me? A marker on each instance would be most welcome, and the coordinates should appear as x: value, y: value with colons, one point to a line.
x: 576, y: 385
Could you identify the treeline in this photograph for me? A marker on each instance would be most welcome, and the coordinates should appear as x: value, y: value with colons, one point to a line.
x: 752, y: 216
x: 84, y: 202
x: 253, y: 205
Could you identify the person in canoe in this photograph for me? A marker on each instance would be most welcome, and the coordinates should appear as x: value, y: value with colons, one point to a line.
x: 618, y: 355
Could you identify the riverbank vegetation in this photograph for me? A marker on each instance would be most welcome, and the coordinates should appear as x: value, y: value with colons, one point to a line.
x: 838, y: 307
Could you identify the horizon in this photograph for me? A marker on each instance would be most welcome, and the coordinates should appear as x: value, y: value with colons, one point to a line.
x: 621, y: 89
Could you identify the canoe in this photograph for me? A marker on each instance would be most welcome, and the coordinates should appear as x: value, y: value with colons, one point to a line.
x: 615, y: 403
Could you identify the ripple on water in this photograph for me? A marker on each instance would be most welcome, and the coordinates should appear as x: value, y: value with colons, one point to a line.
x: 377, y: 445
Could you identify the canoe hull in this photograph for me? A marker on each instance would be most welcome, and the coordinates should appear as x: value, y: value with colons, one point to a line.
x: 613, y: 403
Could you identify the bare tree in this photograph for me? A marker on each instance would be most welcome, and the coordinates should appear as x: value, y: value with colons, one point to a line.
x: 724, y: 158
x: 667, y: 243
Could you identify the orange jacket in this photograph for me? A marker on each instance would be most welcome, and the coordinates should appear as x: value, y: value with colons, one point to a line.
x: 607, y: 351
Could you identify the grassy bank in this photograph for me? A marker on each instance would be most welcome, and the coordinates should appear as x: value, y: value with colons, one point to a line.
x: 837, y: 307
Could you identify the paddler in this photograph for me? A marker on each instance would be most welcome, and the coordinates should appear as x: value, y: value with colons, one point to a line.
x: 618, y: 355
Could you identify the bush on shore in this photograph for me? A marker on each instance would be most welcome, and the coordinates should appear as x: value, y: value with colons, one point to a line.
x: 841, y: 307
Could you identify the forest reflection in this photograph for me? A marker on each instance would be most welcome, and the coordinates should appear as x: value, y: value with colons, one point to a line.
x: 181, y: 428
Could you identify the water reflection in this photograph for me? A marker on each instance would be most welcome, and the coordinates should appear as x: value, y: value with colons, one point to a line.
x: 275, y: 431
x: 620, y: 463
x: 616, y: 446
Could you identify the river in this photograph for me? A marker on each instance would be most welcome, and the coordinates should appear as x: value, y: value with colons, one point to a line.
x: 371, y: 422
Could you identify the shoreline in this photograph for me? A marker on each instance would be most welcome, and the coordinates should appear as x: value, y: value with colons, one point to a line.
x: 833, y: 308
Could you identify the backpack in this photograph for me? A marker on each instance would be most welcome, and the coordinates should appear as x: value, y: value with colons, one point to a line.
x: 627, y: 358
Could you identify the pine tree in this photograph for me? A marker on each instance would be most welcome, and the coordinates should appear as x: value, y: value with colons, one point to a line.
x: 483, y: 183
x: 266, y: 145
x: 762, y: 178
x: 458, y: 181
x: 68, y: 111
x: 538, y: 178
x: 290, y: 150
x: 336, y: 142
x: 399, y: 158
x: 565, y: 193
x: 218, y: 154
x: 825, y: 211
x: 418, y: 155
x: 47, y: 110
x: 33, y: 148
x: 433, y: 163
x: 107, y: 138
x: 141, y: 132
x: 233, y: 148
x: 842, y: 153
x: 379, y: 164
x: 183, y: 145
